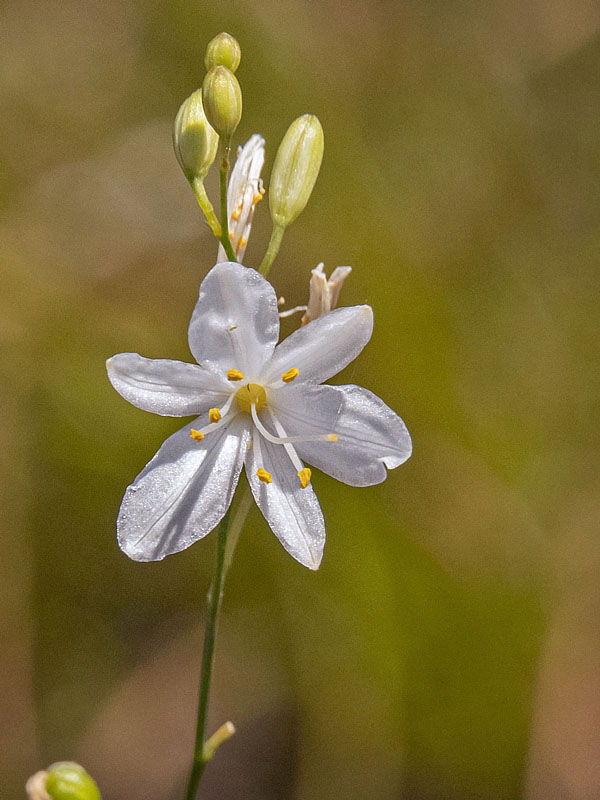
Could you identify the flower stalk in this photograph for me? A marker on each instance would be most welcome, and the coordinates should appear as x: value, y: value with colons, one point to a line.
x: 272, y: 249
x: 223, y: 173
x: 202, y: 752
x: 206, y: 206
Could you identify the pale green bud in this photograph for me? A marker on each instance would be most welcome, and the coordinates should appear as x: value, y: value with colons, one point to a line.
x: 69, y: 781
x: 223, y: 51
x: 194, y: 140
x: 295, y: 170
x: 222, y: 100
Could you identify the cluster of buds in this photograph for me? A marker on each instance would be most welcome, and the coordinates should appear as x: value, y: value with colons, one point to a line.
x: 208, y: 118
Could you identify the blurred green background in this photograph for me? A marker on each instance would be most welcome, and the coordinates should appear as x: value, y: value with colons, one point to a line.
x: 449, y: 646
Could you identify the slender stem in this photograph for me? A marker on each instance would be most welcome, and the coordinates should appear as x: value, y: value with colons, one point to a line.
x: 206, y: 206
x: 228, y: 535
x: 225, y: 240
x: 215, y: 596
x: 272, y: 249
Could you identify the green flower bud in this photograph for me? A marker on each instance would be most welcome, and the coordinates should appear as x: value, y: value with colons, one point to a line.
x: 295, y: 170
x: 222, y: 101
x: 69, y: 781
x: 223, y: 51
x: 195, y: 142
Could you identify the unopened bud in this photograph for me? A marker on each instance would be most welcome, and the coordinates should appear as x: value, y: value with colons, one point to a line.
x: 295, y: 170
x: 223, y: 51
x: 222, y: 101
x: 194, y: 140
x: 69, y: 781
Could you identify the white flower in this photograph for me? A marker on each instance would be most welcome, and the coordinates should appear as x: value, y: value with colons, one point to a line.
x: 260, y: 405
x: 245, y: 190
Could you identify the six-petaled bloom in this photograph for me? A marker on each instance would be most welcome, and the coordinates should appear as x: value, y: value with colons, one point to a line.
x: 259, y: 405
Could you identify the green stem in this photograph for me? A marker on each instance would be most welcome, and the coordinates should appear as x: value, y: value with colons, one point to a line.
x: 225, y: 240
x: 228, y: 535
x: 272, y: 249
x: 215, y: 596
x: 206, y: 206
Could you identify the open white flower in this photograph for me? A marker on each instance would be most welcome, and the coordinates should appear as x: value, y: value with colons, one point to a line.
x: 259, y: 405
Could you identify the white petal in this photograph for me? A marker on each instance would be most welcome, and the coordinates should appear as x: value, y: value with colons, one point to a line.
x: 323, y: 347
x: 183, y: 493
x: 235, y: 324
x: 170, y: 388
x: 294, y: 514
x: 371, y: 436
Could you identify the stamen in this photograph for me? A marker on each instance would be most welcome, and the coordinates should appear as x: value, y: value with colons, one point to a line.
x: 232, y: 236
x: 217, y: 416
x: 290, y: 311
x: 304, y: 475
x: 261, y: 473
x: 264, y: 476
x: 289, y: 448
x: 235, y: 375
x: 290, y: 375
x: 325, y: 437
x: 237, y: 213
x: 257, y: 197
x: 242, y: 242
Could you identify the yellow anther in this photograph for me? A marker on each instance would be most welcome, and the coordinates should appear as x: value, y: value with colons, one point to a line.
x: 332, y: 437
x: 214, y: 415
x: 235, y: 375
x: 257, y: 197
x: 304, y: 476
x: 264, y: 476
x: 251, y: 393
x: 197, y: 435
x: 233, y: 328
x: 242, y: 242
x: 290, y: 375
x: 232, y: 236
x: 236, y: 213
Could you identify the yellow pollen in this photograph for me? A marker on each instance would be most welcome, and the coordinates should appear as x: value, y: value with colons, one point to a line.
x: 257, y: 198
x: 242, y: 242
x: 232, y: 236
x: 304, y: 476
x: 290, y: 375
x: 233, y: 328
x: 251, y: 393
x: 235, y: 375
x: 214, y: 415
x: 332, y: 437
x: 236, y: 213
x: 264, y: 476
x: 197, y: 435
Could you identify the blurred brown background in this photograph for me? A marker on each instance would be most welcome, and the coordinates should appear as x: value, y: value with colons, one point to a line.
x: 449, y: 646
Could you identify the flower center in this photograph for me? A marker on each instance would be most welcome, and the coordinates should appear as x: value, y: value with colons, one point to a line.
x: 249, y: 395
x: 252, y: 398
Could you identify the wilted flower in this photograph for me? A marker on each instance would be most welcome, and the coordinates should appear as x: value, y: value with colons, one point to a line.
x: 245, y: 190
x: 323, y: 292
x: 260, y: 405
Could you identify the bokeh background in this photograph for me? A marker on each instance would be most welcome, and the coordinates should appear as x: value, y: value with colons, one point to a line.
x: 449, y: 646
